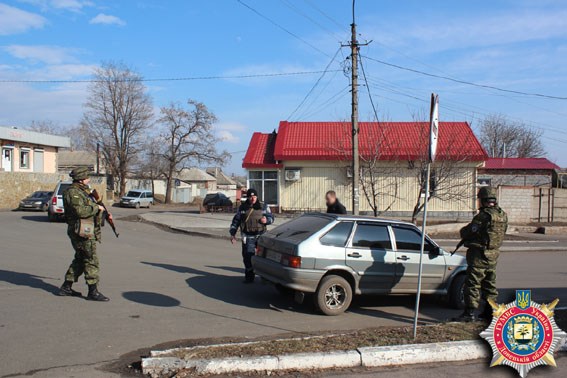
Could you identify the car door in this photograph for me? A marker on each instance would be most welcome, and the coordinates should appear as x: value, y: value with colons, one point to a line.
x: 371, y: 256
x: 408, y: 246
x: 143, y: 200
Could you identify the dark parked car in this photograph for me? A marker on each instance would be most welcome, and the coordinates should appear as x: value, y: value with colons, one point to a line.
x: 37, y: 201
x: 216, y: 200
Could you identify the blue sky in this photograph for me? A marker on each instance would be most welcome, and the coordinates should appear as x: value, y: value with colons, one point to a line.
x: 518, y: 45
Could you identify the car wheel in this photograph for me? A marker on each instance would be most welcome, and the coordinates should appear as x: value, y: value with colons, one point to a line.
x: 45, y: 207
x: 50, y: 216
x: 457, y: 292
x: 149, y: 205
x: 137, y: 205
x: 333, y: 296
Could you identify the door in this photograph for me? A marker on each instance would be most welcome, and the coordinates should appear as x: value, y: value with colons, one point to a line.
x: 408, y: 246
x: 38, y: 161
x: 371, y: 256
x: 7, y: 159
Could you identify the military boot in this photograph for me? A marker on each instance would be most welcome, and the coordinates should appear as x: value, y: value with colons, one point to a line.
x: 486, y: 314
x: 95, y: 295
x: 67, y: 291
x: 466, y: 317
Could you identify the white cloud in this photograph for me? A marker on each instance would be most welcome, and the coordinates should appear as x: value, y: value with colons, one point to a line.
x: 228, y: 137
x: 42, y: 53
x: 107, y: 19
x: 14, y: 20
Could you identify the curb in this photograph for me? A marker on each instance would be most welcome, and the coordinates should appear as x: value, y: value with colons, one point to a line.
x: 363, y: 357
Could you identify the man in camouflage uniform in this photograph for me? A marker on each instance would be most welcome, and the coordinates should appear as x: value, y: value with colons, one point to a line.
x: 79, y: 205
x: 483, y: 237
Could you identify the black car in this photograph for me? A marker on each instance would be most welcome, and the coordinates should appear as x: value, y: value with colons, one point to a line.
x: 216, y: 200
x: 37, y: 201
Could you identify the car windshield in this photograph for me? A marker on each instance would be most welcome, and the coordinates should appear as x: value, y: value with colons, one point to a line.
x: 300, y: 228
x: 133, y: 193
x: 62, y: 188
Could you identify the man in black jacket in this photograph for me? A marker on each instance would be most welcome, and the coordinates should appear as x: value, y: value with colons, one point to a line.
x: 251, y: 219
x: 334, y: 206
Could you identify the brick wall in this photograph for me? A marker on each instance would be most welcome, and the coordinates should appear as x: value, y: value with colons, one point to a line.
x: 518, y: 202
x: 14, y: 186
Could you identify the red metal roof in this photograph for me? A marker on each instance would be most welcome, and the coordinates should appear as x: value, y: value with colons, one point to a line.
x: 519, y: 163
x: 260, y: 152
x: 386, y: 140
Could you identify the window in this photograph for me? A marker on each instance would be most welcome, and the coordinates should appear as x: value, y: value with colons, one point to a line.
x: 374, y: 236
x: 483, y: 181
x: 338, y: 236
x: 24, y: 159
x: 266, y: 184
x: 410, y: 240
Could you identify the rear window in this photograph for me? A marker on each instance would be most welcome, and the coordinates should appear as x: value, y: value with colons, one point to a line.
x: 62, y: 188
x: 301, y: 228
x: 338, y: 236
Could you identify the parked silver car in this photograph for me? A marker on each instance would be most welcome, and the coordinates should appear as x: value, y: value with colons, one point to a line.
x: 336, y: 256
x: 137, y: 199
x: 56, y: 209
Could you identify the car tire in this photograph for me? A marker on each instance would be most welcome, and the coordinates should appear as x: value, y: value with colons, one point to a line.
x: 149, y: 205
x: 137, y: 205
x: 457, y: 292
x: 45, y: 208
x: 333, y: 296
x: 50, y: 216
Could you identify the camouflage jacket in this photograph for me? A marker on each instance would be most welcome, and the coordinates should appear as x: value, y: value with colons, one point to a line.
x: 487, y: 229
x: 78, y: 205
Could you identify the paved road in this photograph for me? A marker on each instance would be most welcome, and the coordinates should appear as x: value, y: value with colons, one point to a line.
x: 165, y: 287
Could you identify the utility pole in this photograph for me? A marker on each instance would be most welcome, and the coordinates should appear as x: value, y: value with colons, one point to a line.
x: 354, y: 48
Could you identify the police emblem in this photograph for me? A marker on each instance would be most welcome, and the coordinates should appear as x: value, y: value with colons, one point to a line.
x: 523, y: 334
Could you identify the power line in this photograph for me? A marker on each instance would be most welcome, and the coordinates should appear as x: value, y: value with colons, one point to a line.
x: 315, y: 85
x: 219, y: 77
x: 310, y: 19
x: 466, y: 82
x: 334, y: 21
x: 282, y: 28
x: 368, y: 87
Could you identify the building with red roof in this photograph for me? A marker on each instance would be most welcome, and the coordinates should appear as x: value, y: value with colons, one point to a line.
x: 294, y: 167
x: 537, y: 172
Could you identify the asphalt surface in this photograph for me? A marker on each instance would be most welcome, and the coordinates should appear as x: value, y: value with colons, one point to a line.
x: 166, y: 286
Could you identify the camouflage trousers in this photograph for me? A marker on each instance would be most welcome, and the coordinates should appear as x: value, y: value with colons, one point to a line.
x: 481, y: 277
x: 85, y: 261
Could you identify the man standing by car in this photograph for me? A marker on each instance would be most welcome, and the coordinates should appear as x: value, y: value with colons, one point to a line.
x: 483, y: 237
x: 334, y: 206
x: 84, y: 219
x: 252, y: 218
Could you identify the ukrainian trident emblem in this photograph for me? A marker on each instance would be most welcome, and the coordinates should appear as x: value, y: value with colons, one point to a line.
x: 523, y: 334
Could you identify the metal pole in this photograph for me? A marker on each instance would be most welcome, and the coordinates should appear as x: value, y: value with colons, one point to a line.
x: 354, y: 115
x: 423, y: 226
x: 97, y: 158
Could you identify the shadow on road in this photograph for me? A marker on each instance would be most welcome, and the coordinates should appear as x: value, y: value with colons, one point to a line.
x: 151, y: 299
x: 36, y: 218
x: 29, y: 280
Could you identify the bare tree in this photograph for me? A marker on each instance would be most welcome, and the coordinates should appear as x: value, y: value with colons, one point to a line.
x: 46, y: 127
x: 151, y: 165
x: 188, y: 135
x: 117, y: 113
x: 502, y: 137
x: 448, y: 181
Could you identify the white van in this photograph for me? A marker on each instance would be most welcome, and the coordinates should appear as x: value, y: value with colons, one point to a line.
x: 137, y: 199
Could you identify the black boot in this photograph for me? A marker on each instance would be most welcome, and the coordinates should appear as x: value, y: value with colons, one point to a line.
x: 486, y: 314
x: 67, y: 291
x: 95, y: 295
x: 466, y: 317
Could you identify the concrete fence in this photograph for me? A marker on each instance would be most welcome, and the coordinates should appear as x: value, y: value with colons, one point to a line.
x: 530, y: 204
x: 14, y: 186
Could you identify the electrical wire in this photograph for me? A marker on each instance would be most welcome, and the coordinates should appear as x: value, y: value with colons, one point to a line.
x: 241, y: 2
x: 367, y: 87
x: 334, y: 21
x: 467, y: 82
x: 218, y: 77
x: 311, y: 19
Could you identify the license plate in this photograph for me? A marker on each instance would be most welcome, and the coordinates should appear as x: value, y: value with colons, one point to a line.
x: 27, y: 205
x: 274, y: 256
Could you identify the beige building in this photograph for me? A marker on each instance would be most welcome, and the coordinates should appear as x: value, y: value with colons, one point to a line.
x: 294, y: 168
x: 29, y: 151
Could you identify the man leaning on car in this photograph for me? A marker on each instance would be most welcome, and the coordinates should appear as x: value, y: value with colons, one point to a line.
x: 252, y: 218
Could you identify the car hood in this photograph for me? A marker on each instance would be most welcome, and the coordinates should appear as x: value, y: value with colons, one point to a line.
x: 455, y: 260
x: 129, y: 198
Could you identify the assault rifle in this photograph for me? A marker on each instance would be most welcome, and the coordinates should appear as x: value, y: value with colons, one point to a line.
x: 458, y: 246
x: 106, y: 215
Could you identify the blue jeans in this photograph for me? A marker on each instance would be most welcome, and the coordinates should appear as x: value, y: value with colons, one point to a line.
x: 248, y: 250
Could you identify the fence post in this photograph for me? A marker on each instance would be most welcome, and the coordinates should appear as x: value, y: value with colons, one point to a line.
x: 539, y: 210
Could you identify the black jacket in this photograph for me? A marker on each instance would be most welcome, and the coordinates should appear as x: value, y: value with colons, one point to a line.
x: 336, y: 208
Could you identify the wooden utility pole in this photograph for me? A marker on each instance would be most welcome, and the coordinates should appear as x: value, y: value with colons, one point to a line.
x: 354, y: 48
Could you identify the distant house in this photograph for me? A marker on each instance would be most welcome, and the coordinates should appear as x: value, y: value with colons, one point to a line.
x: 294, y: 167
x: 536, y: 172
x: 223, y: 181
x: 69, y: 160
x: 197, y: 178
x: 30, y: 151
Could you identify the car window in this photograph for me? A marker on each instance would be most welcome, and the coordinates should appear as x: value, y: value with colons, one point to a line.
x: 375, y: 236
x: 132, y: 193
x: 62, y: 188
x: 301, y: 228
x: 143, y: 195
x: 338, y: 235
x: 408, y: 239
